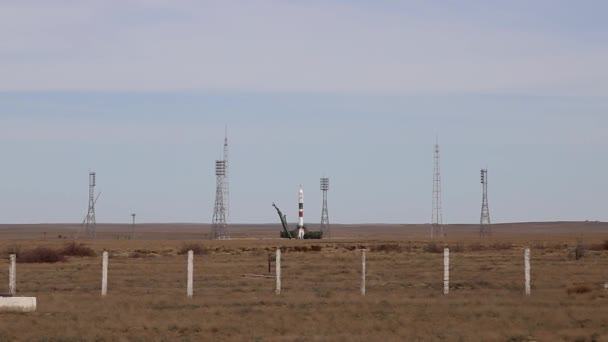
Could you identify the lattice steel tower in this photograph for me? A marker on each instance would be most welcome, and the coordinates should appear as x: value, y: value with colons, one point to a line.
x: 226, y: 180
x: 324, y: 212
x: 484, y: 223
x: 437, y: 219
x: 89, y: 221
x: 219, y: 229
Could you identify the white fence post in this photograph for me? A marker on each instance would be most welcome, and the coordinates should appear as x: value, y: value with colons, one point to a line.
x: 363, y: 271
x: 527, y: 270
x: 277, y: 267
x: 104, y: 274
x: 12, y: 275
x: 190, y: 286
x: 446, y: 271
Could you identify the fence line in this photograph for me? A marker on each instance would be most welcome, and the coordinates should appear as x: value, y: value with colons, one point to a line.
x: 141, y: 275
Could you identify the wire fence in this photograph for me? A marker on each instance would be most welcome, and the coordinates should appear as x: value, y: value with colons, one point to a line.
x: 318, y: 274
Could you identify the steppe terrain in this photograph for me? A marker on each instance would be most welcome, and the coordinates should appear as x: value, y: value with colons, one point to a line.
x: 320, y: 299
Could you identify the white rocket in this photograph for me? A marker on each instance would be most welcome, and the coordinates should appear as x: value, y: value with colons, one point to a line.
x: 301, y: 214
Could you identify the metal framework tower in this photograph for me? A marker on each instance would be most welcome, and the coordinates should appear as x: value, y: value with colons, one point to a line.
x: 324, y: 212
x: 484, y: 223
x: 219, y: 228
x: 437, y: 219
x: 226, y: 180
x: 89, y: 221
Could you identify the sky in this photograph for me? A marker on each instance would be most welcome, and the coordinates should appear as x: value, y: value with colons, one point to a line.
x: 357, y: 91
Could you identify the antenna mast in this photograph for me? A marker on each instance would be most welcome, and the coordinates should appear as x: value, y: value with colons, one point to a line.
x: 484, y: 226
x: 219, y: 229
x: 324, y: 212
x: 437, y: 219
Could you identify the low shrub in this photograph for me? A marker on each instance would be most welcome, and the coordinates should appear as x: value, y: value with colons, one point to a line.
x: 579, y: 289
x: 40, y: 255
x: 77, y: 249
x: 386, y: 248
x: 476, y: 247
x: 580, y: 250
x: 498, y: 246
x: 599, y: 246
x: 197, y: 248
x: 12, y: 249
x: 457, y: 248
x: 433, y: 247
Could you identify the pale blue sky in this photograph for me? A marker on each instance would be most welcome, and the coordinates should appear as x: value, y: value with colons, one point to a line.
x: 140, y: 91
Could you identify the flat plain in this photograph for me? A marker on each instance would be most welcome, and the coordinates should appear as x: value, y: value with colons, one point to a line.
x: 320, y: 298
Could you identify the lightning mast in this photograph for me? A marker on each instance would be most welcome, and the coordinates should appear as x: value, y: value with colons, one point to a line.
x: 484, y: 223
x: 89, y: 221
x: 219, y: 229
x: 437, y: 219
x: 226, y: 184
x: 324, y: 212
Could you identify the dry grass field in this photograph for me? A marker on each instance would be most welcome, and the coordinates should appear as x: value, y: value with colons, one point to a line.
x: 320, y: 299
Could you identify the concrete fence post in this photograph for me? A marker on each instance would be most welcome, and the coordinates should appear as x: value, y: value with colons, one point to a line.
x: 12, y: 275
x: 363, y: 272
x: 104, y: 274
x: 277, y: 266
x: 190, y: 287
x: 527, y: 270
x: 446, y: 271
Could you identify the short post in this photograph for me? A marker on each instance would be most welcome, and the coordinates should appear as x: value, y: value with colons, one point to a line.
x: 363, y: 271
x: 12, y: 275
x: 277, y: 267
x: 446, y: 271
x: 104, y: 274
x: 527, y: 270
x: 190, y: 286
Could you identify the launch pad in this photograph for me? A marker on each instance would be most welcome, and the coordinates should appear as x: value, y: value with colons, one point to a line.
x: 300, y: 233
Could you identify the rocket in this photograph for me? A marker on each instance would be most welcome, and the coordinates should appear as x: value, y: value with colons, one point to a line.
x: 301, y: 212
x: 301, y: 231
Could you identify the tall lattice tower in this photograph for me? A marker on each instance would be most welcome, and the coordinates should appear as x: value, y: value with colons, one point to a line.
x: 89, y: 221
x: 437, y: 219
x: 324, y: 212
x: 226, y: 180
x: 219, y: 228
x: 484, y: 223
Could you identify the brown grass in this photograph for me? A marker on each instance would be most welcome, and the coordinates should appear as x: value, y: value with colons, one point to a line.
x: 147, y: 300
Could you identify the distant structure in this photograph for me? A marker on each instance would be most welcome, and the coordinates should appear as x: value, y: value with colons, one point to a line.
x: 437, y: 219
x: 226, y: 180
x: 219, y: 229
x: 132, y: 227
x: 324, y: 212
x: 89, y: 221
x: 484, y: 224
